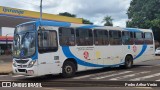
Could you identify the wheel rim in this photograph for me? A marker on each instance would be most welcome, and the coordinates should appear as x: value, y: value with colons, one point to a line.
x: 68, y: 69
x: 129, y: 62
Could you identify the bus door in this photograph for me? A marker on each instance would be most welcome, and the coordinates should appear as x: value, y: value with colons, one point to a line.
x: 115, y: 48
x: 48, y: 58
x: 148, y: 40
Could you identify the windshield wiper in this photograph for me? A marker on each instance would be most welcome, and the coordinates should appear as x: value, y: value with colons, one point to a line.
x: 17, y: 37
x: 26, y: 34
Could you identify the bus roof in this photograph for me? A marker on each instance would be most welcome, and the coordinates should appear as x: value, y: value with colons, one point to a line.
x: 86, y: 26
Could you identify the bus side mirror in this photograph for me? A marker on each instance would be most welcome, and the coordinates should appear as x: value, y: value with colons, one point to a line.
x: 40, y: 33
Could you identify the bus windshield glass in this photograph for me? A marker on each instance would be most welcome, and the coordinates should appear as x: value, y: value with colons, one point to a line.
x: 24, y: 41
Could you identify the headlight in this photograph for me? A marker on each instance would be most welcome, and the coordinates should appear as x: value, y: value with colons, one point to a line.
x: 31, y: 64
x: 14, y: 64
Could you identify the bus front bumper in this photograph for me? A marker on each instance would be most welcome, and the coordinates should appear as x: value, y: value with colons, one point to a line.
x: 25, y: 71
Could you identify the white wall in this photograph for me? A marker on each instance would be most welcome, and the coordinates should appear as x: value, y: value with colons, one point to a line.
x: 7, y: 30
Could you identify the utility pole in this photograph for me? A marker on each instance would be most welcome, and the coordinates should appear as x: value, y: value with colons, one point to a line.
x: 6, y: 51
x: 41, y: 10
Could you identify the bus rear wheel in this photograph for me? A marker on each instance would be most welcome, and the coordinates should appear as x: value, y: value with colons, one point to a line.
x: 68, y: 69
x: 128, y: 62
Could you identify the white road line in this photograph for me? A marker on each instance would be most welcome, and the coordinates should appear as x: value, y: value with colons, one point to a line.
x: 80, y: 77
x: 3, y: 75
x: 130, y: 75
x: 145, y: 77
x: 90, y: 75
x: 7, y: 80
x: 157, y: 65
x: 17, y: 75
x: 101, y: 77
x: 146, y: 66
x: 157, y: 80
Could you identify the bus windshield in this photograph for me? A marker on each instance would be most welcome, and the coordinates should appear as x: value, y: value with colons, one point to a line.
x: 24, y: 42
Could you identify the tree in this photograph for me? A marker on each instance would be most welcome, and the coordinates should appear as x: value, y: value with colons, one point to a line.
x: 67, y: 14
x: 145, y: 14
x: 108, y: 21
x: 85, y: 21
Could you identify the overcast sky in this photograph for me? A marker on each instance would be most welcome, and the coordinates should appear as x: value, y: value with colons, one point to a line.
x: 93, y: 10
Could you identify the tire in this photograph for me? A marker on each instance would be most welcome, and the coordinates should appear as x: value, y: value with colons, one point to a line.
x: 68, y: 69
x: 128, y: 62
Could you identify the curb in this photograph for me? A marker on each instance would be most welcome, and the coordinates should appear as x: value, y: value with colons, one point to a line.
x: 6, y: 73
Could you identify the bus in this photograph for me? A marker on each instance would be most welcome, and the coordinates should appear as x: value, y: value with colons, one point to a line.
x: 51, y: 47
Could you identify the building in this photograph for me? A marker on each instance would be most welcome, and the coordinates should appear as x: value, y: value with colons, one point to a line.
x: 10, y: 17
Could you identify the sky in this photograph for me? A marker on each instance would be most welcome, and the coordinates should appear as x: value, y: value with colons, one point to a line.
x: 93, y: 10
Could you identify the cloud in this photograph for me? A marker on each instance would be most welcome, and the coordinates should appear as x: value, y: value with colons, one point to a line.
x: 93, y: 10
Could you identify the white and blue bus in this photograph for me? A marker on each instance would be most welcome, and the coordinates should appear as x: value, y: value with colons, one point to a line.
x: 50, y: 47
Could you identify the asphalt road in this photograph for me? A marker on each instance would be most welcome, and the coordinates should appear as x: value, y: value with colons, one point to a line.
x: 145, y: 71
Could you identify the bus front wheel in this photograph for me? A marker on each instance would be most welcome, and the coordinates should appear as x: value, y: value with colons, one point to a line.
x: 68, y: 69
x: 128, y: 62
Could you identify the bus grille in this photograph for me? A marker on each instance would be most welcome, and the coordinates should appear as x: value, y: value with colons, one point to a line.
x: 21, y: 70
x: 22, y: 66
x: 22, y: 61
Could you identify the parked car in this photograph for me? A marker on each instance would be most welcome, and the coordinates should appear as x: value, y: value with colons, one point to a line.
x: 157, y: 51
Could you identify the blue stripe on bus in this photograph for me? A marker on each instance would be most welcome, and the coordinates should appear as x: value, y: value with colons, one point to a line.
x: 132, y: 29
x: 144, y: 47
x: 35, y: 57
x: 69, y: 54
x: 54, y: 23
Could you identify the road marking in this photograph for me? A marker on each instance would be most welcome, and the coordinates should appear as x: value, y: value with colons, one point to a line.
x: 3, y: 75
x: 8, y: 80
x: 97, y: 78
x: 17, y: 75
x: 130, y: 75
x: 157, y: 65
x: 54, y: 89
x: 158, y: 80
x: 80, y: 77
x: 145, y: 77
x: 143, y: 88
x: 85, y: 76
x: 146, y: 66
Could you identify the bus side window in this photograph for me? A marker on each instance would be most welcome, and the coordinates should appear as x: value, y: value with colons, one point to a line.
x: 148, y: 38
x: 115, y: 37
x: 101, y: 37
x: 47, y: 41
x: 139, y: 38
x: 127, y: 38
x: 66, y: 36
x: 84, y: 37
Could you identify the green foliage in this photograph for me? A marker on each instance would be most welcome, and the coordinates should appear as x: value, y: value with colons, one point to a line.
x: 144, y: 13
x: 108, y: 21
x: 67, y: 14
x: 85, y: 21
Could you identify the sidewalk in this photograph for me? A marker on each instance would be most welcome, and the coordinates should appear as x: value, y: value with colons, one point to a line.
x: 6, y: 65
x: 5, y: 68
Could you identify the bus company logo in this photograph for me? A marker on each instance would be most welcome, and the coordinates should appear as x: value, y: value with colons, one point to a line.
x: 86, y: 55
x: 134, y: 48
x: 11, y: 10
x: 6, y: 84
